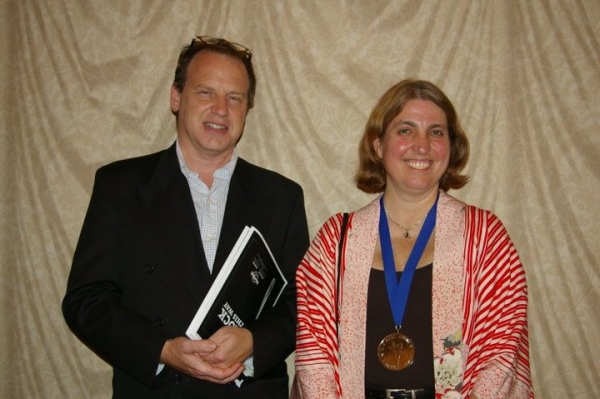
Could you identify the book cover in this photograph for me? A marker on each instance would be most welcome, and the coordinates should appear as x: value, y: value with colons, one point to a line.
x: 249, y: 281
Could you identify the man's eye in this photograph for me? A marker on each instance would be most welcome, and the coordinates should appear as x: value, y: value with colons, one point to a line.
x: 237, y: 100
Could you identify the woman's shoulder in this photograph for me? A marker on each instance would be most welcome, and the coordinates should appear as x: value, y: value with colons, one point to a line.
x: 448, y: 202
x: 366, y: 212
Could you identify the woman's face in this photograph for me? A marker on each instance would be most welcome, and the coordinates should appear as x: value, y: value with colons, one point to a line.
x: 415, y: 148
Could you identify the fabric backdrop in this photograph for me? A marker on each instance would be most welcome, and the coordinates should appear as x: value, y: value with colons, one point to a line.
x: 87, y: 82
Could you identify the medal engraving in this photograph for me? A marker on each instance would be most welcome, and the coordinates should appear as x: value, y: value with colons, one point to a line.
x: 396, y: 352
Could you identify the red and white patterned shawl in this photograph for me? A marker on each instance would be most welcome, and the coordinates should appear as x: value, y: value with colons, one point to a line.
x: 479, y: 308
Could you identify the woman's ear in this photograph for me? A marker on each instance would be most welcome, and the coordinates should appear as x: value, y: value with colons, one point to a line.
x: 377, y: 147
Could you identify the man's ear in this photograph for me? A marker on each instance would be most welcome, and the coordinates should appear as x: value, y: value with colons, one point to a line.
x: 175, y: 97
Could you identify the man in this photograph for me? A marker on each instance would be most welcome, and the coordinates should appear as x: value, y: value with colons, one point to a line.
x: 159, y: 227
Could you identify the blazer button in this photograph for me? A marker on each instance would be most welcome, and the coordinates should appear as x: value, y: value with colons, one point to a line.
x: 159, y: 322
x: 149, y: 269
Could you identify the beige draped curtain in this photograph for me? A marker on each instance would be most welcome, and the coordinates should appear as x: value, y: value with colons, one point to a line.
x: 87, y: 82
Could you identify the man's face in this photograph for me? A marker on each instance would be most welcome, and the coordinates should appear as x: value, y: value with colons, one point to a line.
x: 212, y: 107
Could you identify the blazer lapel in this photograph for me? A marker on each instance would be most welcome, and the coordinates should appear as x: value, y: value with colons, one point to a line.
x: 170, y: 209
x: 246, y: 206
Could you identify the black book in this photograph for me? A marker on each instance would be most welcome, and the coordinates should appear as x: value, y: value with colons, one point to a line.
x: 249, y: 281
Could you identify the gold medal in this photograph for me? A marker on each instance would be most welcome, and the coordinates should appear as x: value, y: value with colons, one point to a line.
x: 396, y: 352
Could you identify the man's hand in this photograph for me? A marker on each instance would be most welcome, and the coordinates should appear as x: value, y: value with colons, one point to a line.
x: 197, y: 359
x: 234, y: 346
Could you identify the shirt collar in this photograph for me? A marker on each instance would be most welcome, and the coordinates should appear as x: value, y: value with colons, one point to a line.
x: 223, y: 172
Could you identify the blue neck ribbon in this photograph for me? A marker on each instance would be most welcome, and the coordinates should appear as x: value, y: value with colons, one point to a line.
x: 398, y: 290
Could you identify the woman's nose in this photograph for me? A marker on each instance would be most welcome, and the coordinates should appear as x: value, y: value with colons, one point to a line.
x: 421, y: 144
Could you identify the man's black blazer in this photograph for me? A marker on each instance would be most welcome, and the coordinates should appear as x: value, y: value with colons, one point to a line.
x: 139, y: 272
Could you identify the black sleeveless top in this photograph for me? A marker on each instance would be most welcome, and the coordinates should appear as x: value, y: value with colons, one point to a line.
x: 416, y: 325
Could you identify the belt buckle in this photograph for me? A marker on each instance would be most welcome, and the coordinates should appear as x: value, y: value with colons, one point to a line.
x: 389, y: 393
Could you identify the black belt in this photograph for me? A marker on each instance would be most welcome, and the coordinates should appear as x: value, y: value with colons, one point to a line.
x: 377, y: 393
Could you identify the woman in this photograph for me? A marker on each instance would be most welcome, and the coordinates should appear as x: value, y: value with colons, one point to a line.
x: 428, y: 298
